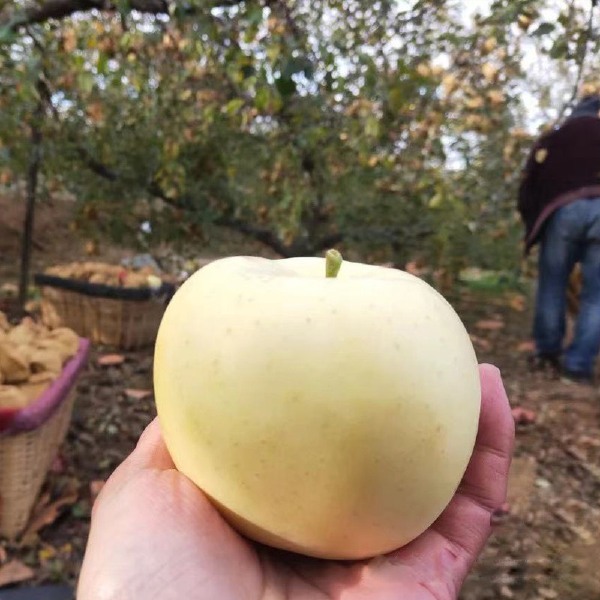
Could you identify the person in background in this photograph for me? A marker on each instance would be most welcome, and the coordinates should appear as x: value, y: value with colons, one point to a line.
x: 559, y: 202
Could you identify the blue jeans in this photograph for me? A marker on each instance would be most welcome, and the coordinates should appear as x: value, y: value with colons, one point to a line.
x: 572, y: 235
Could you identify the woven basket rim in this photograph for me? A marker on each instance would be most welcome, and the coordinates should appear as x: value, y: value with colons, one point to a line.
x: 39, y: 411
x: 100, y: 290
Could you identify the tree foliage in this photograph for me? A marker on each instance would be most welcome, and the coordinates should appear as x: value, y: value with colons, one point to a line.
x: 395, y: 128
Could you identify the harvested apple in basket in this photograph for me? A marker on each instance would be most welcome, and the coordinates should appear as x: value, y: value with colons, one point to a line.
x: 31, y: 358
x: 108, y: 274
x: 325, y: 407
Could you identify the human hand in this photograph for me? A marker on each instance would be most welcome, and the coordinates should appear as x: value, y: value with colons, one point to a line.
x: 155, y: 535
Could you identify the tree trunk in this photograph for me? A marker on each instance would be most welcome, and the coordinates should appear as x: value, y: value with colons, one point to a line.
x: 33, y: 169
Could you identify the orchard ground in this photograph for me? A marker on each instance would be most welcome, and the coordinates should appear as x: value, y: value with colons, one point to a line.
x: 545, y: 546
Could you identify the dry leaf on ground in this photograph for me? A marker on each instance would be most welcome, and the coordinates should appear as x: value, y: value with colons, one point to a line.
x: 517, y: 302
x: 526, y: 346
x: 523, y: 416
x: 481, y: 342
x: 46, y: 515
x: 111, y: 360
x: 95, y: 488
x: 138, y: 394
x: 490, y: 324
x: 13, y: 572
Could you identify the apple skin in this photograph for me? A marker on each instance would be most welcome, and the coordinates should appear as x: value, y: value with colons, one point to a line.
x: 333, y: 417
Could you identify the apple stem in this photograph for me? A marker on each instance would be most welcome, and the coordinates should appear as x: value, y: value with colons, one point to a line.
x: 333, y: 263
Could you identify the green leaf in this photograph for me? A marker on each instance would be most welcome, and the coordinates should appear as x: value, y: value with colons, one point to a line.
x: 372, y: 126
x: 286, y: 86
x: 559, y: 48
x: 396, y: 99
x: 544, y: 29
x: 273, y: 53
x: 262, y: 99
x: 85, y: 82
x: 7, y: 35
x: 81, y: 510
x: 255, y: 14
x: 298, y: 64
x: 234, y: 106
x: 123, y: 6
x: 102, y: 64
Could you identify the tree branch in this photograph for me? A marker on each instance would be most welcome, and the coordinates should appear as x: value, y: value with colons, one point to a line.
x: 33, y: 171
x: 46, y: 92
x: 329, y: 241
x: 260, y: 234
x: 96, y: 166
x: 582, y: 62
x: 40, y: 12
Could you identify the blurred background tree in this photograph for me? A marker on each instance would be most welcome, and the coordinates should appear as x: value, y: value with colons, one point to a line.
x: 393, y: 129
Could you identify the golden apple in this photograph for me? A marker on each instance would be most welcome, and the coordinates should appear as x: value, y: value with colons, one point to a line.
x: 328, y: 415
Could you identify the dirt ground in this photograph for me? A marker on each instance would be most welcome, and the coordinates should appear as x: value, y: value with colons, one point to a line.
x: 546, y: 546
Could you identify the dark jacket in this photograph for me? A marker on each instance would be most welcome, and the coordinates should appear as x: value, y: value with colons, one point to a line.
x: 563, y: 166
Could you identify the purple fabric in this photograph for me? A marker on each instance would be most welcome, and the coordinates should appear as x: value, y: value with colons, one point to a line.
x: 568, y: 168
x: 38, y: 412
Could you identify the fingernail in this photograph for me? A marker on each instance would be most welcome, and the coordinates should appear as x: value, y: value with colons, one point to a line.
x: 500, y: 515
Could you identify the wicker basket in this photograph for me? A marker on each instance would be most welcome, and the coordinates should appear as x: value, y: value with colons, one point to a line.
x: 121, y: 317
x: 29, y: 441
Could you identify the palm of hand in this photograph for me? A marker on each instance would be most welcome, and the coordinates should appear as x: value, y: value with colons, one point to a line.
x: 156, y: 536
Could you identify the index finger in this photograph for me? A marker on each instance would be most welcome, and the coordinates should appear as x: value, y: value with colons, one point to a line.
x: 150, y: 453
x: 486, y: 477
x: 465, y: 525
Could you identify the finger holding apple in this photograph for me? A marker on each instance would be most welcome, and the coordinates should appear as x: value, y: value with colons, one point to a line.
x: 326, y: 408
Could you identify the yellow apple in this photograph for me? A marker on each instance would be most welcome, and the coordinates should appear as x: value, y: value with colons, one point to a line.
x: 328, y: 415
